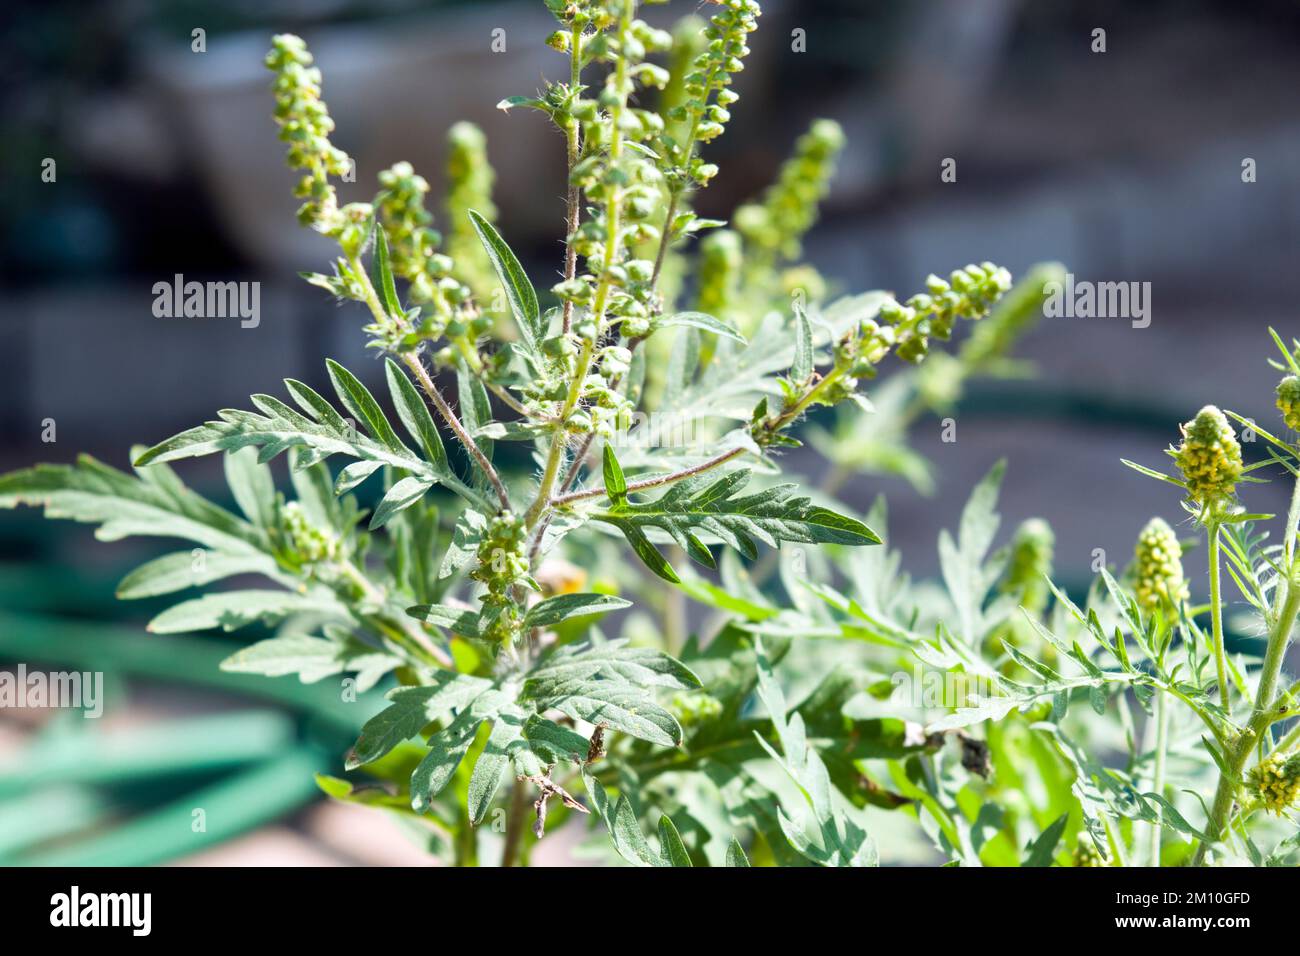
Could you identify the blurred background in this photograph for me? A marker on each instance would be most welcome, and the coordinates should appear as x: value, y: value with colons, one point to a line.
x: 1125, y: 165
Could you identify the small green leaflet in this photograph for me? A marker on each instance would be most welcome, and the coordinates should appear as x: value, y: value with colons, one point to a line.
x: 455, y: 619
x: 553, y: 610
x: 703, y: 321
x: 413, y: 410
x: 230, y: 610
x: 322, y: 432
x: 1043, y: 849
x: 613, y: 661
x: 519, y: 291
x: 383, y: 280
x: 403, y: 494
x: 802, y: 368
x: 410, y: 710
x: 179, y: 570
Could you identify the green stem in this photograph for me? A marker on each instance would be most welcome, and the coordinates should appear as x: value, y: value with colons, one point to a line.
x: 613, y: 241
x: 573, y: 147
x: 1158, y: 776
x: 1216, y: 612
x: 412, y: 361
x: 1293, y: 515
x: 465, y: 842
x: 1261, y: 720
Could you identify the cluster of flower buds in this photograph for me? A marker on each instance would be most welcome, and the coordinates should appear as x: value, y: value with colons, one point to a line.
x: 469, y: 186
x: 1158, y: 568
x: 1276, y: 781
x: 720, y: 263
x: 620, y: 181
x: 775, y: 226
x: 695, y: 707
x: 305, y: 542
x: 443, y: 305
x: 1288, y: 401
x: 1086, y: 853
x: 1030, y: 566
x: 1209, y: 458
x: 704, y: 111
x: 968, y: 294
x: 305, y: 125
x: 502, y: 565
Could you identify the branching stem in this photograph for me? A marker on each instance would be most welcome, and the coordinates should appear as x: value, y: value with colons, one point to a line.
x: 1262, y: 716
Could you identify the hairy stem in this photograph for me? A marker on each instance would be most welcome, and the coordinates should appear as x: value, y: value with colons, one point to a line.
x: 573, y: 205
x: 412, y: 361
x: 613, y: 237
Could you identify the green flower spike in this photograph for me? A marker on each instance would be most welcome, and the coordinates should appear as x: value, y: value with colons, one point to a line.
x: 1030, y: 565
x: 1288, y: 401
x: 1158, y: 568
x: 305, y: 124
x: 1276, y: 781
x: 1209, y: 458
x: 502, y: 564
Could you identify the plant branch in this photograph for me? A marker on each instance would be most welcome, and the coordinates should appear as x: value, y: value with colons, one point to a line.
x: 613, y: 237
x: 1261, y: 719
x: 647, y: 483
x: 573, y: 143
x: 412, y: 361
x: 1216, y: 611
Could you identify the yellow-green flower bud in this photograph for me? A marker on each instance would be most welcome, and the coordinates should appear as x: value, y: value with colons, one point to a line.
x: 309, y: 543
x: 1288, y: 401
x: 470, y: 178
x: 1158, y: 568
x: 1209, y: 458
x: 305, y: 124
x: 775, y: 226
x: 1276, y: 781
x: 1087, y: 854
x: 692, y: 708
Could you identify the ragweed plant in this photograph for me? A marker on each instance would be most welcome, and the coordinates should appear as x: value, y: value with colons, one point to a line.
x: 406, y: 549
